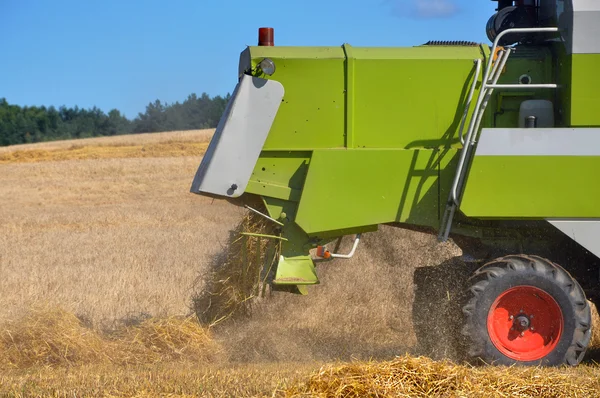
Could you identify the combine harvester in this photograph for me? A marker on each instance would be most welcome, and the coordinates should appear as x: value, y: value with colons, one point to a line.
x: 494, y: 146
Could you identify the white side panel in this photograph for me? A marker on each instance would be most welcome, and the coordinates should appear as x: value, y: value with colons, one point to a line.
x: 584, y: 232
x: 539, y: 142
x: 586, y: 30
x: 580, y: 24
x: 238, y: 140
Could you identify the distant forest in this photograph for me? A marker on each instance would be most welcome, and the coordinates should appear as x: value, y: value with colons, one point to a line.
x: 27, y: 124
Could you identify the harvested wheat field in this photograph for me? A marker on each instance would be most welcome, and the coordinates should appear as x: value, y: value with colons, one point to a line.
x: 154, y: 145
x: 104, y: 254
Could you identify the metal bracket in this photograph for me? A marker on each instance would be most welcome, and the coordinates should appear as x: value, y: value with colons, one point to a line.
x: 324, y: 253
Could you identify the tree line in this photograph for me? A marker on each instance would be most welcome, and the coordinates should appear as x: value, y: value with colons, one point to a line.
x: 28, y: 124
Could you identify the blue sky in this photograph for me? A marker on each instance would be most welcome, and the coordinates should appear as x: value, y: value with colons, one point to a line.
x: 125, y: 54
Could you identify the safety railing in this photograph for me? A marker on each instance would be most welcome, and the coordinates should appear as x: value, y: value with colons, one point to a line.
x: 491, y: 75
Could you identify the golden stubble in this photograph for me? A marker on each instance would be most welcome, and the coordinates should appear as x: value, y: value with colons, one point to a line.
x: 185, y: 136
x: 106, y: 239
x: 119, y: 240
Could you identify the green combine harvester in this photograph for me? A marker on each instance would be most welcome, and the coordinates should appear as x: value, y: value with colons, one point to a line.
x: 496, y: 147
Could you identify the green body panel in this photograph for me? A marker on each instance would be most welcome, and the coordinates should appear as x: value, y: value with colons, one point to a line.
x: 579, y: 88
x: 539, y: 187
x: 533, y: 187
x: 409, y: 97
x: 344, y: 96
x: 348, y: 188
x: 585, y: 90
x: 312, y: 112
x: 578, y: 93
x: 279, y: 174
x: 367, y: 136
x: 392, y: 104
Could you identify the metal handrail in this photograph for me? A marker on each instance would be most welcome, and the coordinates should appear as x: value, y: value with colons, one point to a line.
x: 488, y: 93
x: 515, y: 30
x: 449, y: 213
x: 485, y: 93
x: 476, y: 117
x: 495, y: 46
x: 489, y: 83
x: 469, y: 98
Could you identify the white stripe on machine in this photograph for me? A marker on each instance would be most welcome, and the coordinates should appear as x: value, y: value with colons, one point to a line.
x: 539, y: 142
x: 584, y: 232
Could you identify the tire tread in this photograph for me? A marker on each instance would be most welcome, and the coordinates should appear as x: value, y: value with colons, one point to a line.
x: 499, y: 267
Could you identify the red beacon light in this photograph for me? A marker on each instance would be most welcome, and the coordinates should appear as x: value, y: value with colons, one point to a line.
x: 266, y: 37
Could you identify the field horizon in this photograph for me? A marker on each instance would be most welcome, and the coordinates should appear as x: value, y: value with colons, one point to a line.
x: 104, y: 249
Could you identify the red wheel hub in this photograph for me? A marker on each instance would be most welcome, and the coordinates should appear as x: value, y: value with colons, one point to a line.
x: 525, y: 323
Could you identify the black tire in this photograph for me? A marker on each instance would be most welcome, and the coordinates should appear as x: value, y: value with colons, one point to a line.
x: 494, y: 278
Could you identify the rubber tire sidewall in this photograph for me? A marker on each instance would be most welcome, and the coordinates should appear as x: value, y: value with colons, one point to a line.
x: 514, y: 278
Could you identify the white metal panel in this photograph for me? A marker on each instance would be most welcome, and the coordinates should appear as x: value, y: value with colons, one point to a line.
x: 586, y: 30
x: 239, y: 138
x: 580, y: 24
x: 539, y: 142
x: 586, y: 5
x: 584, y: 232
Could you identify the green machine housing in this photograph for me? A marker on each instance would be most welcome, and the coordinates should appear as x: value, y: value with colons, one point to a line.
x: 496, y: 146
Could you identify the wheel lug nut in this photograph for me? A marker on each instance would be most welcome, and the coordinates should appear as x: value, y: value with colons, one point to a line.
x: 521, y: 311
x: 511, y: 317
x: 532, y: 328
x: 522, y: 334
x: 531, y: 316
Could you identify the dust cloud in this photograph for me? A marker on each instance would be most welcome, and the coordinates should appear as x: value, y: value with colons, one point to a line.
x: 396, y: 296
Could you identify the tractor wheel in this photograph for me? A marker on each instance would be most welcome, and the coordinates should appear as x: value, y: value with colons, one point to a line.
x: 525, y: 310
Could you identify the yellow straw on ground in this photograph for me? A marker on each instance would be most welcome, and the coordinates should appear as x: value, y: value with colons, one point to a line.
x: 421, y: 377
x: 236, y: 276
x: 53, y: 337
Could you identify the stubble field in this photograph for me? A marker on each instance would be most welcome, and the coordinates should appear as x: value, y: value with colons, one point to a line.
x: 102, y: 248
